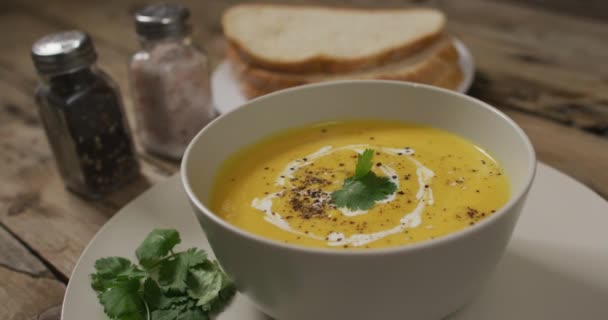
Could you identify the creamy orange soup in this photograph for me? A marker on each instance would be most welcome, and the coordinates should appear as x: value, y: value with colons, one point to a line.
x: 284, y: 187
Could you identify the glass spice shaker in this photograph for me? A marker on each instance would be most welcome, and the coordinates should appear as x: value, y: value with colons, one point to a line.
x: 169, y: 81
x: 83, y: 117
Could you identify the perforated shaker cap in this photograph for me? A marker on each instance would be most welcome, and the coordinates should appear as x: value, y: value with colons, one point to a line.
x: 162, y: 20
x: 63, y: 52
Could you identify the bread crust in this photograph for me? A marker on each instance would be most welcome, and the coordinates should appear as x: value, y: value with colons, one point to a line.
x: 426, y: 71
x: 328, y: 64
x: 450, y: 78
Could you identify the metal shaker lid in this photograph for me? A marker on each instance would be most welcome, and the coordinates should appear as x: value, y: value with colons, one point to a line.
x: 63, y: 52
x: 162, y: 20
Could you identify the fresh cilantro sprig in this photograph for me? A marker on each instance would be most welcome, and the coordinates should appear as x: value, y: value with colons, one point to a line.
x: 361, y: 191
x: 166, y: 285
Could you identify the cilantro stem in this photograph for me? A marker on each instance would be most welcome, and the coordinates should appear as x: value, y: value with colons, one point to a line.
x: 161, y: 260
x: 148, y: 315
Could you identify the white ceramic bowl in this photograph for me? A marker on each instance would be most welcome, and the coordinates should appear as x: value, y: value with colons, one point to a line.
x: 423, y: 281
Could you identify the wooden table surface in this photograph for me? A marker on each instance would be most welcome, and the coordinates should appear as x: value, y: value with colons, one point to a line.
x: 544, y: 63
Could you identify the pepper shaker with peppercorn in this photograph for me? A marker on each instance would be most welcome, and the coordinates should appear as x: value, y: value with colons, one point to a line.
x: 169, y: 81
x: 83, y: 117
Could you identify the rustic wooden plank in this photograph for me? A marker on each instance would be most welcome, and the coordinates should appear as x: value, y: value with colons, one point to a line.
x: 28, y: 290
x: 596, y: 9
x: 26, y: 297
x: 35, y: 205
x: 539, y: 62
x: 53, y: 313
x: 14, y: 256
x: 565, y: 106
x: 570, y: 42
x: 568, y: 150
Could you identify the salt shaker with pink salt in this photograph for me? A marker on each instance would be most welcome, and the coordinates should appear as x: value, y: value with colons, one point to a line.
x: 169, y: 81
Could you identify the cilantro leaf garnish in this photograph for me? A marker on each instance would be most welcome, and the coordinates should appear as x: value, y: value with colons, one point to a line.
x: 113, y: 269
x: 210, y: 286
x: 122, y: 299
x: 167, y: 286
x: 364, y: 163
x: 173, y: 271
x: 156, y: 245
x: 362, y: 190
x: 204, y: 286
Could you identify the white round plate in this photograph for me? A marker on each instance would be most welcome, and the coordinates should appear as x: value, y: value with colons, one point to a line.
x: 227, y: 95
x: 555, y: 267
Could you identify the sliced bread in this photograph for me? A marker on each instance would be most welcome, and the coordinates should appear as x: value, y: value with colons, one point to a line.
x: 428, y: 66
x: 449, y: 78
x: 308, y: 39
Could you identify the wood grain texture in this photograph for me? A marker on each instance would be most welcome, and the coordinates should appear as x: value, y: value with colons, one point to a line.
x: 28, y: 289
x: 541, y: 62
x: 570, y: 146
x: 14, y: 256
x: 596, y: 9
x: 26, y: 297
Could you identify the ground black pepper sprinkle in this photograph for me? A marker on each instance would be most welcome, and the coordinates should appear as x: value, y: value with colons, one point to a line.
x: 307, y: 199
x: 472, y: 213
x: 378, y: 164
